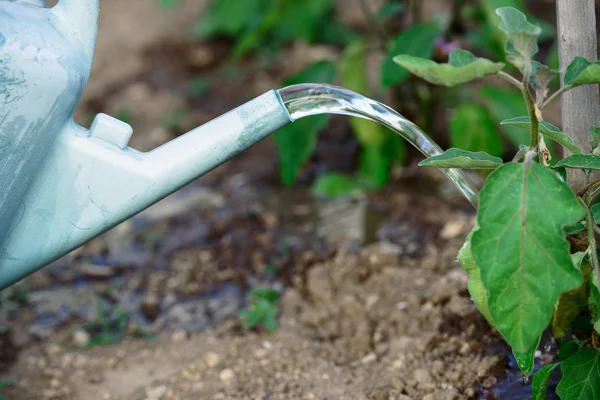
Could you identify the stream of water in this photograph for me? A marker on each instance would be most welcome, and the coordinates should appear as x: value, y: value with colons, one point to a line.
x: 313, y: 99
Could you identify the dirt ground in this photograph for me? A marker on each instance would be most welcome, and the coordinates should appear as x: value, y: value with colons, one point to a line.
x: 374, y: 305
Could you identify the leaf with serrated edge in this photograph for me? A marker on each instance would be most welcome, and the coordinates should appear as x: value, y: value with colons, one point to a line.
x: 580, y: 161
x: 449, y: 74
x: 547, y: 129
x: 522, y: 35
x: 457, y: 158
x: 475, y: 287
x: 581, y: 376
x: 521, y: 248
x: 541, y: 379
x: 582, y: 72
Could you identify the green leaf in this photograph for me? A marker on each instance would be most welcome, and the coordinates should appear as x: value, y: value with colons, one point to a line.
x: 475, y: 286
x: 545, y: 128
x: 539, y: 385
x: 418, y: 41
x: 594, y: 301
x: 595, y: 210
x: 582, y: 72
x: 495, y: 38
x: 336, y: 185
x: 567, y: 349
x: 570, y: 304
x: 522, y: 35
x: 521, y: 250
x: 457, y: 158
x: 296, y: 142
x: 473, y: 129
x: 581, y: 376
x: 463, y: 68
x: 504, y: 104
x: 580, y: 161
x: 376, y: 161
x: 526, y: 360
x: 595, y: 143
x: 355, y: 78
x: 541, y: 77
x: 574, y: 229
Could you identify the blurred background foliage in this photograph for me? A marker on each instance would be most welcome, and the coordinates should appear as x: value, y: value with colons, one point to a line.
x: 465, y: 117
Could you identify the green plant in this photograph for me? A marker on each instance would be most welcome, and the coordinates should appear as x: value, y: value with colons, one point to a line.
x: 4, y: 383
x: 270, y: 24
x: 262, y: 309
x: 110, y: 326
x: 523, y: 275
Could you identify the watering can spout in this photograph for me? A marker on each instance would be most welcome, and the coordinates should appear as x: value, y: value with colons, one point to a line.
x: 91, y: 181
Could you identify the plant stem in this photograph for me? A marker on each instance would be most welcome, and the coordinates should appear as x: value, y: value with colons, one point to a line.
x: 555, y: 96
x: 513, y: 81
x: 589, y: 219
x: 532, y: 116
x: 589, y: 186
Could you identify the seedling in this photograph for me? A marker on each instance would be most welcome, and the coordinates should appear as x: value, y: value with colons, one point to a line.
x: 523, y: 275
x: 262, y: 310
x: 110, y: 326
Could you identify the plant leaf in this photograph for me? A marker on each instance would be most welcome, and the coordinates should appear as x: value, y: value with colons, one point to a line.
x: 473, y: 129
x: 463, y: 68
x: 581, y: 376
x: 418, y: 41
x: 570, y: 304
x: 541, y: 77
x: 354, y: 77
x: 475, y: 286
x: 545, y: 128
x: 521, y: 250
x: 582, y: 72
x: 457, y: 158
x: 334, y: 185
x: 522, y: 35
x: 567, y: 349
x: 595, y: 143
x: 539, y: 385
x: 526, y: 360
x: 296, y: 142
x: 581, y: 161
x: 504, y: 104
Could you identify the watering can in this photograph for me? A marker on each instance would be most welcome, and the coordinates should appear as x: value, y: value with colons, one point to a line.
x: 61, y: 185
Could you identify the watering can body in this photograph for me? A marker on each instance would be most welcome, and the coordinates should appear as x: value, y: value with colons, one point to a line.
x: 61, y: 184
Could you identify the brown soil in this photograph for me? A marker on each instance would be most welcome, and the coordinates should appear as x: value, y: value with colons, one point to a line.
x: 367, y: 324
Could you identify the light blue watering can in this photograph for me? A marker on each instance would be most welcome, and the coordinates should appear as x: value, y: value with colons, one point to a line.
x: 62, y: 185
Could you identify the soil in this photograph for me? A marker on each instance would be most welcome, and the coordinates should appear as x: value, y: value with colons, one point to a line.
x: 373, y: 304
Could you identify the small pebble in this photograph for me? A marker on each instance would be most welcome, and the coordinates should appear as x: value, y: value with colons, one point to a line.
x: 211, y: 359
x: 226, y: 375
x: 81, y: 338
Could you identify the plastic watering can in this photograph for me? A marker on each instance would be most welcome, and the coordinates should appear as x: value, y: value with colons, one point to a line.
x: 62, y: 185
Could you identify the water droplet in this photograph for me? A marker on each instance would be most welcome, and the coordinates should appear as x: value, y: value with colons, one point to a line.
x: 456, y: 260
x: 525, y: 379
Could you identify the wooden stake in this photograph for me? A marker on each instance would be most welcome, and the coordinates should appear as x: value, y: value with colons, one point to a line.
x: 581, y: 106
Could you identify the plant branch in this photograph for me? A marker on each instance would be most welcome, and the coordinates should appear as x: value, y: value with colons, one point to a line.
x: 589, y: 219
x: 555, y: 96
x: 510, y: 79
x: 532, y: 115
x: 587, y: 187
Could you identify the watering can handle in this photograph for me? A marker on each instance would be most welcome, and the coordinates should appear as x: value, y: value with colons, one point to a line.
x: 79, y: 21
